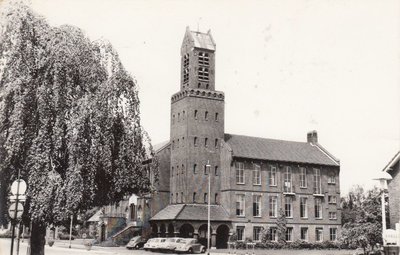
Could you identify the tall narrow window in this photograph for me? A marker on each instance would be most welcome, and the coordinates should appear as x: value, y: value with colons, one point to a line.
x: 288, y: 207
x: 206, y: 142
x: 240, y: 205
x: 183, y: 115
x: 304, y: 234
x: 272, y: 176
x: 177, y: 144
x: 194, y: 197
x: 186, y: 68
x: 257, y: 234
x: 303, y: 207
x: 303, y: 177
x: 256, y: 205
x: 206, y: 115
x: 172, y: 171
x: 216, y: 171
x: 240, y: 233
x: 239, y: 173
x: 216, y: 116
x: 177, y: 170
x: 206, y: 170
x: 183, y: 169
x: 195, y: 141
x: 272, y: 234
x: 319, y: 234
x: 195, y: 114
x: 289, y: 234
x: 203, y: 74
x: 172, y: 198
x: 183, y: 142
x: 173, y: 119
x: 273, y: 206
x: 333, y: 234
x: 177, y: 198
x: 256, y: 175
x: 216, y: 144
x: 179, y: 117
x: 288, y: 180
x: 205, y: 198
x: 195, y: 168
x: 317, y: 181
x: 182, y: 199
x: 318, y: 208
x: 216, y: 198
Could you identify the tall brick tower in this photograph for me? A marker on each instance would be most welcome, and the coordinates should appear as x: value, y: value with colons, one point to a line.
x: 197, y: 123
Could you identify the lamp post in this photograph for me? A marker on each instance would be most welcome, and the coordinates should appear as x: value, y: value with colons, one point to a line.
x: 209, y: 202
x: 383, y: 178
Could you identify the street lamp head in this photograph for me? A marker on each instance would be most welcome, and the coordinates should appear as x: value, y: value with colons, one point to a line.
x: 383, y: 177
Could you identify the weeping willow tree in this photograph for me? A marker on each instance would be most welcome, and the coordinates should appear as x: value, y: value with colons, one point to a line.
x: 69, y: 121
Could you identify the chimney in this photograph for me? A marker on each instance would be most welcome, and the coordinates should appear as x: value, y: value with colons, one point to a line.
x: 312, y: 137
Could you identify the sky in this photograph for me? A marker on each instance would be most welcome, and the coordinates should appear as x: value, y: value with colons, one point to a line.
x: 286, y: 67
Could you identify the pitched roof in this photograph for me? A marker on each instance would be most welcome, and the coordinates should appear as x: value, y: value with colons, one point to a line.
x: 192, y: 212
x: 279, y: 150
x: 392, y: 162
x: 203, y: 40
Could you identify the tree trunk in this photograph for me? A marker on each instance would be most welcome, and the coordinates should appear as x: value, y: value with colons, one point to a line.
x: 38, y: 239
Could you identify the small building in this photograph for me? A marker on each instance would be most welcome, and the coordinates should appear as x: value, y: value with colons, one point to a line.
x: 393, y: 168
x: 252, y: 179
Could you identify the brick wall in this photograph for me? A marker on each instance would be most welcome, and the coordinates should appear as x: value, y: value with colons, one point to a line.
x: 394, y: 198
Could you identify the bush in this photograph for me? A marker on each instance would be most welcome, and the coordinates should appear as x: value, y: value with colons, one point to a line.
x: 6, y: 234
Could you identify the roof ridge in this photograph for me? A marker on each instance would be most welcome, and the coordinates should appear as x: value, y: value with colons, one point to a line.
x: 391, y: 162
x: 274, y: 139
x: 183, y: 206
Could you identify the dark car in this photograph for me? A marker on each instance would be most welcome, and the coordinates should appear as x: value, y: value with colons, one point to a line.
x: 136, y: 242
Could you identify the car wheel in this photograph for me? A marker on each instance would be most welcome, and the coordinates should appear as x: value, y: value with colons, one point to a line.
x: 190, y: 250
x: 203, y: 250
x: 137, y: 247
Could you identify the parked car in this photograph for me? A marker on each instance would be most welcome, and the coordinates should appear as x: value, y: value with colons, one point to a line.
x: 170, y: 244
x: 190, y: 245
x: 136, y: 242
x: 153, y: 244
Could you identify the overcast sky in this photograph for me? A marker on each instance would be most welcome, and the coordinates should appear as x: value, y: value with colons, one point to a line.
x: 286, y: 67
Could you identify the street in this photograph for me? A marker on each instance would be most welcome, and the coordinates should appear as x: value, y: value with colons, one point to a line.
x: 60, y: 247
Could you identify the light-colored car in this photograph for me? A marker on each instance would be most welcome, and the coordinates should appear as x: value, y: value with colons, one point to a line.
x: 170, y: 244
x: 136, y: 242
x: 190, y: 245
x: 154, y: 244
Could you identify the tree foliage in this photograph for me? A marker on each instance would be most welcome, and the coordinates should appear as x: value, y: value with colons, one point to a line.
x: 362, y: 217
x: 69, y: 118
x: 281, y: 227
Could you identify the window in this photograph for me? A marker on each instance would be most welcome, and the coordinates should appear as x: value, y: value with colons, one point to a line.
x: 173, y: 119
x: 195, y: 141
x: 183, y: 141
x: 172, y: 198
x: 332, y: 199
x: 179, y: 117
x: 172, y: 171
x: 272, y: 236
x: 173, y: 144
x: 195, y: 168
x: 206, y: 115
x: 287, y: 187
x: 205, y: 198
x: 240, y: 233
x: 194, y: 197
x: 304, y: 234
x: 206, y: 142
x: 317, y: 181
x: 331, y: 179
x: 288, y: 234
x: 240, y: 205
x: 216, y: 144
x: 204, y: 59
x: 182, y: 199
x: 216, y: 198
x: 216, y: 116
x: 216, y: 171
x: 177, y: 170
x: 288, y: 207
x: 333, y: 234
x: 256, y: 233
x: 205, y: 169
x: 183, y: 168
x: 186, y: 68
x: 177, y: 143
x: 256, y: 175
x: 203, y: 74
x: 319, y: 234
x: 239, y: 173
x: 318, y: 208
x: 332, y: 215
x: 177, y: 198
x: 195, y: 114
x: 272, y: 176
x: 303, y: 177
x: 303, y: 207
x: 273, y: 206
x: 256, y: 205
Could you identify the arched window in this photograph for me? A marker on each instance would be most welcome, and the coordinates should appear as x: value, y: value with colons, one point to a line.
x: 133, y: 211
x: 195, y: 168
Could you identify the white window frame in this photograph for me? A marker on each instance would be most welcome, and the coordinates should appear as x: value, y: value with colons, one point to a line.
x: 289, y: 231
x: 273, y: 206
x: 273, y: 234
x: 319, y: 204
x: 332, y: 215
x: 256, y: 174
x: 319, y: 230
x: 241, y: 205
x: 257, y: 202
x: 331, y: 179
x: 332, y: 199
x: 239, y: 173
x: 272, y: 178
x: 303, y: 177
x: 306, y: 235
x: 255, y: 239
x: 305, y: 208
x: 332, y: 234
x: 287, y: 180
x: 289, y: 198
x: 317, y: 181
x: 237, y: 233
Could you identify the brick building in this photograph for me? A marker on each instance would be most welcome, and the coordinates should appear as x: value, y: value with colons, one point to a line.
x: 251, y: 178
x: 393, y: 168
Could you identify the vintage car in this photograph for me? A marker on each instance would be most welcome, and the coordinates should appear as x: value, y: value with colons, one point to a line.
x: 190, y: 245
x: 170, y: 244
x: 136, y: 242
x: 153, y: 244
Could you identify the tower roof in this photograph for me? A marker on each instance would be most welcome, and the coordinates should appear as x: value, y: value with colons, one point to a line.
x: 201, y: 40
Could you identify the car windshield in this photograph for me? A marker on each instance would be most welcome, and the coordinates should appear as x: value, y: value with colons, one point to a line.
x: 135, y: 238
x: 183, y: 241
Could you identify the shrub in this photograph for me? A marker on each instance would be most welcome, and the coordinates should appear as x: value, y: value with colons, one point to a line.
x: 6, y: 234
